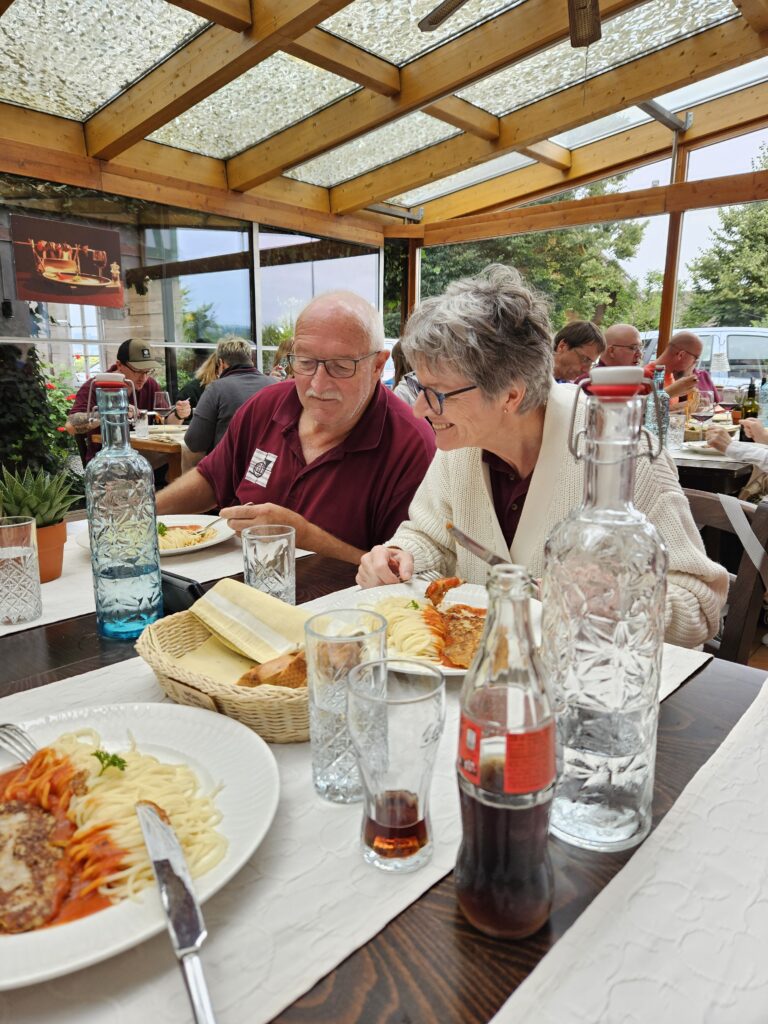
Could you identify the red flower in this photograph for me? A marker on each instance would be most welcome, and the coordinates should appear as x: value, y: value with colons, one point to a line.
x: 62, y: 430
x: 51, y: 387
x: 70, y: 398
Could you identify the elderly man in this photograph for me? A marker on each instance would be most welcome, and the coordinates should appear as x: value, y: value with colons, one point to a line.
x: 136, y: 361
x: 332, y: 452
x: 623, y: 346
x: 680, y: 359
x: 577, y: 346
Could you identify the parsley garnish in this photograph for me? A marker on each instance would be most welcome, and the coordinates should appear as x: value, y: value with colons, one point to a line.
x: 109, y: 761
x: 162, y: 529
x: 414, y: 604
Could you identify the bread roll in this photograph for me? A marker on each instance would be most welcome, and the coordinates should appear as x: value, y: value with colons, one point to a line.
x: 288, y: 670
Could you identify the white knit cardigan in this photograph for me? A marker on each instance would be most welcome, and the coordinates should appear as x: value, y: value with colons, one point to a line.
x: 457, y: 489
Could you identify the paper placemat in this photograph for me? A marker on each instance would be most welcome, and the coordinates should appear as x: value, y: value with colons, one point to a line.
x: 677, y: 664
x: 72, y: 593
x: 301, y: 905
x: 680, y: 932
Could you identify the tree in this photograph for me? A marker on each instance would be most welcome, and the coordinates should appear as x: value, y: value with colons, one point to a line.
x: 578, y: 269
x: 730, y: 278
x: 28, y: 419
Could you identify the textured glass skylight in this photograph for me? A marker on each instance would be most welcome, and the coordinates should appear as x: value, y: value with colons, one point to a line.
x: 718, y: 85
x: 601, y: 128
x: 625, y: 38
x: 472, y: 176
x: 389, y: 28
x: 69, y: 57
x: 266, y: 99
x: 379, y: 147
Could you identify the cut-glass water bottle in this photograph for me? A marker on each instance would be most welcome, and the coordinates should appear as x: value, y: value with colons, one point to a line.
x: 604, y: 589
x: 120, y: 500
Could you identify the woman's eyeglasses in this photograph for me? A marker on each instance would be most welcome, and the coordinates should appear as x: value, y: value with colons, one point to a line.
x: 306, y: 367
x: 435, y: 399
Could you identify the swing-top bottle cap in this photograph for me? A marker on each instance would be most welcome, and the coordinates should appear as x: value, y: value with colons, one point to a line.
x: 109, y: 380
x: 616, y: 383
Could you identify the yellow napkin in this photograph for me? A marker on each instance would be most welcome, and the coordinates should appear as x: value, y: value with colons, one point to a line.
x: 217, y: 662
x: 249, y: 622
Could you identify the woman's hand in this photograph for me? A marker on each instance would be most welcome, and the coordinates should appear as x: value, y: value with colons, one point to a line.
x: 719, y: 438
x: 384, y: 565
x: 755, y: 429
x: 183, y: 409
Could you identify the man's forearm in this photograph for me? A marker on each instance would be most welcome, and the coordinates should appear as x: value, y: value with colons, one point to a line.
x: 83, y: 422
x: 190, y: 493
x: 325, y: 543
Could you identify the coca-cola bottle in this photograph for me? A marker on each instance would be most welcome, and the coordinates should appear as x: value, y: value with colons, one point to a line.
x: 506, y: 770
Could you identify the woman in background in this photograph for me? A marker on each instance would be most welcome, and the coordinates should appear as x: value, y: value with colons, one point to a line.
x: 402, y: 369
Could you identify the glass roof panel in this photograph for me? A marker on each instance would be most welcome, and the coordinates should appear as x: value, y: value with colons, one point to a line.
x: 472, y: 176
x: 626, y: 37
x: 408, y: 135
x: 389, y: 28
x: 273, y: 95
x: 602, y: 128
x: 717, y: 85
x: 71, y: 57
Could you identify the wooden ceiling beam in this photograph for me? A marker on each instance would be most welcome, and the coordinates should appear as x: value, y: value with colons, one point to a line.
x: 231, y: 14
x: 756, y: 13
x: 4, y: 5
x: 208, y: 62
x: 342, y: 58
x: 549, y: 153
x: 465, y: 116
x: 689, y: 60
x: 740, y: 112
x: 518, y: 33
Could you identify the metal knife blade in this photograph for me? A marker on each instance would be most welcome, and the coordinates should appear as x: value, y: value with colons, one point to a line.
x: 182, y: 910
x: 475, y: 547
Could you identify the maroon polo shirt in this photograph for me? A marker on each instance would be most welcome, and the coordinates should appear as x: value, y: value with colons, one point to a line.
x: 509, y: 492
x: 145, y: 399
x: 358, y: 491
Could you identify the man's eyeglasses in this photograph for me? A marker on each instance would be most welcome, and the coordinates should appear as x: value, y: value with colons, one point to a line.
x: 306, y: 367
x: 147, y: 373
x: 434, y: 398
x: 632, y: 348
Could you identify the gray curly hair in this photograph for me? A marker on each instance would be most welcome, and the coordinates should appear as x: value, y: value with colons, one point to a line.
x: 492, y: 329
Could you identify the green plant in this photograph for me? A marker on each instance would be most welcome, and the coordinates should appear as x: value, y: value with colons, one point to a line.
x: 46, y: 497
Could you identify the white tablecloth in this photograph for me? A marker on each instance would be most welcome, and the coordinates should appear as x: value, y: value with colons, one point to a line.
x: 72, y: 593
x: 681, y: 933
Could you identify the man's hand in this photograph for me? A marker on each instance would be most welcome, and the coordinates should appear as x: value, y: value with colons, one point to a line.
x: 183, y: 409
x: 384, y: 565
x: 240, y: 517
x: 755, y: 430
x: 682, y: 386
x: 719, y: 438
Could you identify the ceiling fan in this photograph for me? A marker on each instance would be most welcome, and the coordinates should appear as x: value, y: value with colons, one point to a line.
x: 583, y: 18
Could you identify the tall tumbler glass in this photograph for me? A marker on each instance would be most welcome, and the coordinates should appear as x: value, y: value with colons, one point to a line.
x: 269, y: 557
x: 337, y: 642
x: 396, y: 713
x: 20, y: 596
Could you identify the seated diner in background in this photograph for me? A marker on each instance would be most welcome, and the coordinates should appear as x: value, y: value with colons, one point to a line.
x: 238, y: 380
x: 754, y: 453
x: 503, y: 472
x: 331, y: 452
x: 623, y: 346
x: 136, y: 361
x: 576, y: 347
x: 680, y: 359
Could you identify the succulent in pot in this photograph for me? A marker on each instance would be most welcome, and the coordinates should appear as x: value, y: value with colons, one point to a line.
x: 46, y: 498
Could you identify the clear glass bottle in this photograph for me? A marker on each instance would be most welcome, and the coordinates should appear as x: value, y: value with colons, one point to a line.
x: 603, y: 592
x: 652, y: 415
x: 506, y: 771
x: 120, y: 500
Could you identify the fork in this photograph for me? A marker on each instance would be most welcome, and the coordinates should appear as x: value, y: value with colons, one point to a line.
x: 17, y: 741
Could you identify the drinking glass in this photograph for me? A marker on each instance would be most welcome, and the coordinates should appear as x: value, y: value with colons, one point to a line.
x: 703, y: 407
x: 269, y: 556
x: 20, y: 596
x: 395, y: 714
x: 140, y: 423
x: 162, y: 405
x: 336, y: 642
x: 676, y: 431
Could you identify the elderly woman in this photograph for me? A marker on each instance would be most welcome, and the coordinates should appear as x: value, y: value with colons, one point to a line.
x: 482, y: 356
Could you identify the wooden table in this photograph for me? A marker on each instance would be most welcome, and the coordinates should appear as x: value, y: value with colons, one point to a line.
x: 171, y: 449
x: 429, y: 965
x: 710, y: 473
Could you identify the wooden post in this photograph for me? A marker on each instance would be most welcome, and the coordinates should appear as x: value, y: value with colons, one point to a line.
x: 414, y: 274
x: 672, y: 261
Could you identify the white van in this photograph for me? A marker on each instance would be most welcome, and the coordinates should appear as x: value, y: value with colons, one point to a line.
x: 736, y: 353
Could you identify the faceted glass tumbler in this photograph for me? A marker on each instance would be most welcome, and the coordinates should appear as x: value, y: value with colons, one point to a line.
x: 337, y: 642
x: 20, y: 595
x: 269, y: 557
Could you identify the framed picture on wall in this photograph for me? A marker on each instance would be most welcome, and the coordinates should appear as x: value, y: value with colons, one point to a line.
x: 62, y: 261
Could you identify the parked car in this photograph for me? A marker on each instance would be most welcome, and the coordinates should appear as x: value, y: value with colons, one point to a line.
x: 388, y: 373
x: 731, y: 354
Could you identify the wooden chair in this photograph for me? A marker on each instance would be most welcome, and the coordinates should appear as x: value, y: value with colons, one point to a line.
x: 745, y: 594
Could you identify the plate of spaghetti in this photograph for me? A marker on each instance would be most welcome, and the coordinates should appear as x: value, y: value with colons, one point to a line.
x: 176, y: 534
x: 76, y: 884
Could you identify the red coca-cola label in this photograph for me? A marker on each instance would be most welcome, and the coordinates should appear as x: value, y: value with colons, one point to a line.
x: 529, y: 758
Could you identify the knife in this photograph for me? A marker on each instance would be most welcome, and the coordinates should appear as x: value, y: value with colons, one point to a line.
x: 475, y: 547
x: 184, y: 917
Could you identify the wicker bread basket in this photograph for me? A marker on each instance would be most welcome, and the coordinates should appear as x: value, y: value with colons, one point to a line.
x: 278, y: 714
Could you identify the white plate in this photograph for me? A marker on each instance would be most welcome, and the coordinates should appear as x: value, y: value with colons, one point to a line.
x: 169, y: 428
x: 701, y: 448
x: 219, y: 750
x: 467, y: 593
x: 223, y: 532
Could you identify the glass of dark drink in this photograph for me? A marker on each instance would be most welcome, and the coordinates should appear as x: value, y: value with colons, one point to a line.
x: 395, y: 716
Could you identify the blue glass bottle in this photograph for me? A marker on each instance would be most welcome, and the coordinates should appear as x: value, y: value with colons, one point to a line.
x: 120, y: 499
x: 651, y: 422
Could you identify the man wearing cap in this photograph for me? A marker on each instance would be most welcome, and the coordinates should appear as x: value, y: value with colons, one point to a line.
x: 332, y: 452
x: 134, y: 360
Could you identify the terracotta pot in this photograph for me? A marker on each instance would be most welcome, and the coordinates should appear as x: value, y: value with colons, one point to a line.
x: 50, y: 550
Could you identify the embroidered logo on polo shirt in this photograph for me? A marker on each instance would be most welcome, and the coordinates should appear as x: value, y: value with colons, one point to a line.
x: 260, y: 468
